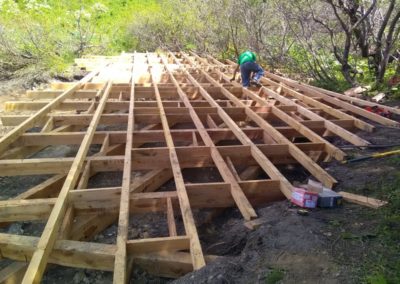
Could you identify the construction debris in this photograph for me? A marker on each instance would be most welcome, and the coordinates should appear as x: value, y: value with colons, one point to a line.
x: 254, y: 224
x: 379, y: 97
x: 363, y: 200
x: 303, y: 198
x: 356, y: 91
x: 329, y: 199
x: 149, y: 118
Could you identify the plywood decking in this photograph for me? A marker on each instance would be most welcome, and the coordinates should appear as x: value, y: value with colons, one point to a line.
x: 150, y: 117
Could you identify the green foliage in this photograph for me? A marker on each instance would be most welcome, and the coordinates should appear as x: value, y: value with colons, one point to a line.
x: 385, y: 267
x: 376, y: 279
x: 52, y: 33
x: 274, y: 276
x: 49, y: 34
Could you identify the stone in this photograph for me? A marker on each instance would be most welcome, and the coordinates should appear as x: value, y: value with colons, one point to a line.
x: 379, y: 97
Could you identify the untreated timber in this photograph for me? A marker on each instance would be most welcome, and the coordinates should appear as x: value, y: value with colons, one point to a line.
x: 162, y: 118
x: 39, y: 258
x: 11, y: 136
x: 263, y: 161
x: 187, y: 216
x: 120, y: 266
x: 243, y: 204
x: 303, y: 159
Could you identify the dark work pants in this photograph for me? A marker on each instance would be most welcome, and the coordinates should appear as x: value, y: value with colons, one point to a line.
x: 246, y: 69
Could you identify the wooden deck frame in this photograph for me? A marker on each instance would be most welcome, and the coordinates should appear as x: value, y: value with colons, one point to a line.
x: 350, y: 104
x: 300, y: 126
x: 302, y: 158
x: 329, y: 124
x: 174, y: 114
x: 243, y: 204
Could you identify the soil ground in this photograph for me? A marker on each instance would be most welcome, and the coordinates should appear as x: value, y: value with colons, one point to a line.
x: 350, y: 244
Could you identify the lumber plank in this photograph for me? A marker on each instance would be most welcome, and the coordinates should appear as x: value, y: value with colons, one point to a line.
x: 95, y: 256
x: 303, y: 129
x: 163, y: 244
x: 13, y: 273
x: 39, y: 258
x: 120, y: 266
x: 190, y: 227
x: 243, y: 204
x: 25, y: 210
x: 11, y: 136
x: 171, y: 218
x: 67, y: 253
x: 335, y: 101
x: 362, y: 200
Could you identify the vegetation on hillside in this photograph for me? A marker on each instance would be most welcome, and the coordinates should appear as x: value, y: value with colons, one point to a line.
x: 336, y: 43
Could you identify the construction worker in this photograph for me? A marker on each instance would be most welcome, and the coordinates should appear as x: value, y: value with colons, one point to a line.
x: 247, y: 64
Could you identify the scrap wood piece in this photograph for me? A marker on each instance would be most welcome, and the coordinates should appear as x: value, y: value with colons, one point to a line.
x: 363, y: 200
x: 255, y: 224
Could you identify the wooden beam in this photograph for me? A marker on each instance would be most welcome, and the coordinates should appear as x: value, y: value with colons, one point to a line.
x: 13, y: 273
x: 165, y: 244
x: 120, y: 266
x: 243, y: 204
x: 171, y: 218
x: 11, y: 136
x: 335, y: 101
x: 67, y: 253
x: 303, y: 129
x: 187, y: 216
x: 363, y: 200
x: 25, y: 210
x: 39, y: 259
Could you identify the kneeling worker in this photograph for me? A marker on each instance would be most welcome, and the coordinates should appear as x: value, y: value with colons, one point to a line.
x: 247, y: 64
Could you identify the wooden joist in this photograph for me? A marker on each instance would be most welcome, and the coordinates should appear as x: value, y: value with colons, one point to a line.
x: 187, y: 215
x: 294, y: 151
x: 120, y: 266
x: 11, y: 136
x: 39, y: 258
x: 243, y: 204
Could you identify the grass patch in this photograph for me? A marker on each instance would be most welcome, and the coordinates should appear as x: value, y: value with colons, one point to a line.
x: 384, y: 267
x: 274, y: 276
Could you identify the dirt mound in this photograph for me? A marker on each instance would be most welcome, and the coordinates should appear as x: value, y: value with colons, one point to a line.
x: 292, y: 247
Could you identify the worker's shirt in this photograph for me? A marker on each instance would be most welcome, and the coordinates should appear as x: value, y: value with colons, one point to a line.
x: 246, y: 57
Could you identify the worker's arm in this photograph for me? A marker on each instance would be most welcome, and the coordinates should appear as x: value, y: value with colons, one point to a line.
x: 234, y: 73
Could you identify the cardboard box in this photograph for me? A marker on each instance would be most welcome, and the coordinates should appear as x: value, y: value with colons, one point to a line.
x: 329, y: 199
x: 303, y: 198
x: 314, y: 186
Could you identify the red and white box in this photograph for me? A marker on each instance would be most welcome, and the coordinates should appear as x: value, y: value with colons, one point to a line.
x: 303, y: 198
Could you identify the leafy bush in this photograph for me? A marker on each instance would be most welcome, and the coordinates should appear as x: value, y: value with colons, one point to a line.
x: 50, y: 34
